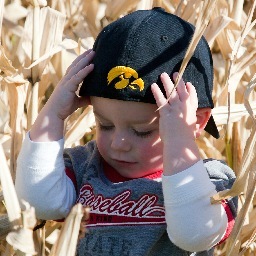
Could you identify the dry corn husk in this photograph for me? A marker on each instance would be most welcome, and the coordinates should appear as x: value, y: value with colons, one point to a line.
x: 21, y: 238
x: 10, y: 197
x: 66, y: 244
x: 237, y: 111
x: 249, y: 160
x: 72, y: 30
x: 204, y: 16
x: 1, y: 16
x: 116, y: 8
x: 5, y: 226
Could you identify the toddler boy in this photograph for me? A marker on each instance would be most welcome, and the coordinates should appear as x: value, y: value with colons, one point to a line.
x: 143, y: 178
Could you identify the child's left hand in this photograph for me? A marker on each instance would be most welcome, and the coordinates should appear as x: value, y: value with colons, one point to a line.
x: 177, y: 124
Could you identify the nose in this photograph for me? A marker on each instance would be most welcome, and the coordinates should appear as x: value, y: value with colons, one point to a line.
x: 120, y: 141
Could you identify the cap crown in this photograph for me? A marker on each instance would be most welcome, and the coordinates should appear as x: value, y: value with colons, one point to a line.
x: 133, y: 51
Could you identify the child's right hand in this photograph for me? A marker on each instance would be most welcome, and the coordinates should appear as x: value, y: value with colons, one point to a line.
x: 64, y: 100
x: 49, y: 124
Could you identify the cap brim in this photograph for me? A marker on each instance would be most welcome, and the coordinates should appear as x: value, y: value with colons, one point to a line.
x: 211, y: 128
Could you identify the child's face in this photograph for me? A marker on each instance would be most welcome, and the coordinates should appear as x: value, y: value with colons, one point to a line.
x: 128, y: 136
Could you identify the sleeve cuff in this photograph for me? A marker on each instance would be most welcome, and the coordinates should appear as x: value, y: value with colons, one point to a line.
x: 49, y: 153
x: 188, y: 185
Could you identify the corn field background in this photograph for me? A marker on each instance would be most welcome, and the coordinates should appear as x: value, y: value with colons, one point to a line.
x: 40, y: 39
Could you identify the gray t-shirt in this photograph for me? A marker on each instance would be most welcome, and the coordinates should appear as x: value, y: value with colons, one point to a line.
x: 128, y: 218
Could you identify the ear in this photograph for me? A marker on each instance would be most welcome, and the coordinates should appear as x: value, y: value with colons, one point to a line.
x: 89, y: 100
x: 203, y: 115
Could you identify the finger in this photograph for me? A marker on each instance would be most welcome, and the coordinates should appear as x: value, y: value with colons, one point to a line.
x: 171, y: 92
x: 76, y: 79
x: 83, y: 55
x: 181, y: 88
x: 193, y: 94
x: 80, y: 65
x: 158, y: 95
x: 167, y: 83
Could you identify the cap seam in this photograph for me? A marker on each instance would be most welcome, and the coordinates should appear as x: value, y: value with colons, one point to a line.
x: 138, y: 29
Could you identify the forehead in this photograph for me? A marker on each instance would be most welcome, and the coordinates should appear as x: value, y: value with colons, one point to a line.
x: 127, y: 110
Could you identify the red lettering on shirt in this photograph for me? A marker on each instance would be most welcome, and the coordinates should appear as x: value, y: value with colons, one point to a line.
x: 120, y: 209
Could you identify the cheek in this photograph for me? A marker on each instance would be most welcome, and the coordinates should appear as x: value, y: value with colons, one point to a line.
x: 151, y: 151
x: 103, y: 142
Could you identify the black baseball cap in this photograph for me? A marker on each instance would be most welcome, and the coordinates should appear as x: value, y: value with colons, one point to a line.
x: 132, y: 52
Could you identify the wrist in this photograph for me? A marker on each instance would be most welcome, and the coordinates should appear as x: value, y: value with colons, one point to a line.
x: 179, y: 156
x: 47, y: 127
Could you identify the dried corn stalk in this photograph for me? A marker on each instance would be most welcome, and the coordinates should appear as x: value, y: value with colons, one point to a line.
x: 205, y: 10
x: 66, y: 244
x: 21, y: 238
x: 59, y: 38
x: 11, y: 200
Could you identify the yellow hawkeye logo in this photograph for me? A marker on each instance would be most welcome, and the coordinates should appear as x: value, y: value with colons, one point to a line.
x: 124, y: 74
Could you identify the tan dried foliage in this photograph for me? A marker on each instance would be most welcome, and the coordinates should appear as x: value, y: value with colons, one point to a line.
x: 40, y: 39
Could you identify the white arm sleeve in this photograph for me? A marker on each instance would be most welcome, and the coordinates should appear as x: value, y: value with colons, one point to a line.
x: 193, y: 223
x: 41, y: 179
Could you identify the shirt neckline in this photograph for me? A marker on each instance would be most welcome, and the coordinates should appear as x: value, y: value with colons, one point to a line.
x: 115, y: 177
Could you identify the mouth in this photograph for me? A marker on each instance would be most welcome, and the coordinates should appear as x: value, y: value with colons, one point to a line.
x: 123, y: 162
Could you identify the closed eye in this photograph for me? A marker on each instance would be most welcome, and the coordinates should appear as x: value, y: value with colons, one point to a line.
x: 106, y: 127
x: 142, y: 134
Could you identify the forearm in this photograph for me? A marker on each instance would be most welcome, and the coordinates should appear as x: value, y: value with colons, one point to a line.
x: 48, y: 126
x: 192, y: 222
x: 41, y: 179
